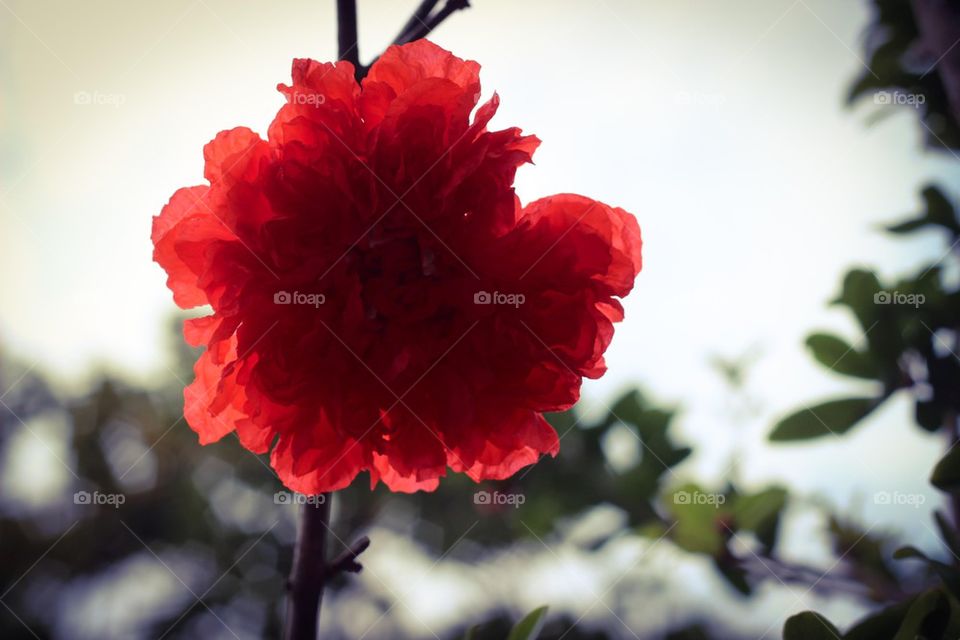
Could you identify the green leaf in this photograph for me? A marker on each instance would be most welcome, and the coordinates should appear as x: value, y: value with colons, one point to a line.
x: 862, y: 293
x: 939, y: 209
x: 760, y: 513
x: 833, y: 416
x: 929, y: 604
x: 861, y: 548
x: 909, y: 552
x: 697, y: 515
x: 809, y: 626
x: 939, y: 212
x: 948, y: 574
x: 858, y: 293
x: 652, y: 530
x: 946, y: 475
x: 908, y: 226
x: 839, y: 356
x: 880, y: 625
x: 529, y: 628
x: 735, y: 575
x: 929, y: 414
x: 651, y: 426
x: 756, y: 510
x: 947, y: 532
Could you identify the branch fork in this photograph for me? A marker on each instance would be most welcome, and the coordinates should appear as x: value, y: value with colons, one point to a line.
x: 421, y: 23
x: 311, y: 572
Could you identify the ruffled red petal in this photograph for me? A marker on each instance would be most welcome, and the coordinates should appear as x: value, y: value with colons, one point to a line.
x: 411, y: 73
x: 213, y: 402
x: 181, y: 234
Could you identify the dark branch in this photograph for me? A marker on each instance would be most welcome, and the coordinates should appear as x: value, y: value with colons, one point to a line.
x: 420, y: 16
x: 347, y: 38
x: 308, y: 574
x: 420, y: 24
x: 422, y: 28
x: 346, y: 562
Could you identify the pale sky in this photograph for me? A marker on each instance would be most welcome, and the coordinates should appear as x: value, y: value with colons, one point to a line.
x: 719, y: 124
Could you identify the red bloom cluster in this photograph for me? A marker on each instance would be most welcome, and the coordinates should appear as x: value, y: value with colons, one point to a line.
x: 381, y: 301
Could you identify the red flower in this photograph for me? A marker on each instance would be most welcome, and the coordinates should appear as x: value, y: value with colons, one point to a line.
x: 380, y: 299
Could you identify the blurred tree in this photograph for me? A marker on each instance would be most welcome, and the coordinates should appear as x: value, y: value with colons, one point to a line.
x: 912, y: 328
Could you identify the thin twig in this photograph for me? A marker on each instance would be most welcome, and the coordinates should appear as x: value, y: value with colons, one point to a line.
x: 346, y: 562
x: 418, y: 26
x: 872, y: 587
x: 423, y: 28
x: 420, y: 16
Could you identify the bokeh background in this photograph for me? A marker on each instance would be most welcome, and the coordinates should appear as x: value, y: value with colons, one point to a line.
x: 725, y: 126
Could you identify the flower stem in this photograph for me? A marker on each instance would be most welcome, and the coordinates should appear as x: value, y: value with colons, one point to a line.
x: 308, y: 575
x: 348, y: 40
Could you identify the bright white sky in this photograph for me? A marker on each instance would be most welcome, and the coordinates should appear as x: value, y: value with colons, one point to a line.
x: 719, y: 124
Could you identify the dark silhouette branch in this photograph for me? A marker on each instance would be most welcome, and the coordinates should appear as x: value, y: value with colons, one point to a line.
x: 866, y: 585
x: 848, y: 579
x: 346, y: 562
x: 311, y: 572
x: 348, y: 45
x: 420, y: 16
x: 308, y: 574
x: 422, y: 28
x: 420, y: 24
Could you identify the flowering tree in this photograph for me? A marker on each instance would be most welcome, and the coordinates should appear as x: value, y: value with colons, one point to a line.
x: 381, y: 303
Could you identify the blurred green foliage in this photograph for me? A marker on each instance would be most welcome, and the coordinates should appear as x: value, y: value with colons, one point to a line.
x: 910, y: 328
x: 207, y: 515
x: 912, y: 334
x: 895, y: 61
